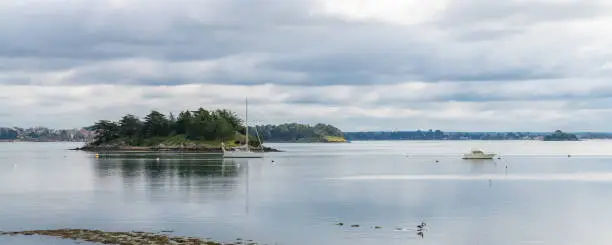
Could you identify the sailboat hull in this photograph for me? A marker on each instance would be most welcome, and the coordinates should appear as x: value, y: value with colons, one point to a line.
x: 243, y: 154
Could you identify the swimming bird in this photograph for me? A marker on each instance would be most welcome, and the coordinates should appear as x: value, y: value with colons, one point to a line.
x: 421, y: 225
x: 377, y: 227
x: 354, y: 225
x: 340, y: 224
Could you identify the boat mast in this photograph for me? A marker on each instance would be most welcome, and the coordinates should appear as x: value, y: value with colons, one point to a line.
x: 247, y: 121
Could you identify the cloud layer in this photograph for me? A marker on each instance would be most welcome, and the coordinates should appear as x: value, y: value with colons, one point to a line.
x: 360, y: 64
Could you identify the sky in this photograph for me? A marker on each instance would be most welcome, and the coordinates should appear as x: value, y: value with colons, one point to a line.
x: 454, y: 65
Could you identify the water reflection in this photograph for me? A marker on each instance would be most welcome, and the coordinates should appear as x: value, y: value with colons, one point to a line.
x: 146, y: 172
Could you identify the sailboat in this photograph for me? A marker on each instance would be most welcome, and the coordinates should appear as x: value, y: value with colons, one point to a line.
x: 242, y: 151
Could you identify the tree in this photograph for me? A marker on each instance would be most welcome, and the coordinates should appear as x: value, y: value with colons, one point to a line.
x: 7, y: 133
x: 106, y: 131
x: 156, y: 125
x: 172, y: 123
x: 182, y: 122
x: 223, y: 129
x: 231, y: 117
x: 130, y: 126
x: 201, y: 126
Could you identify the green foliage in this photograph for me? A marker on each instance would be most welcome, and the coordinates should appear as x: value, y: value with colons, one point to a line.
x: 561, y: 136
x: 8, y: 134
x: 130, y: 126
x: 295, y: 132
x: 183, y: 122
x: 189, y: 127
x: 106, y: 131
x: 155, y: 125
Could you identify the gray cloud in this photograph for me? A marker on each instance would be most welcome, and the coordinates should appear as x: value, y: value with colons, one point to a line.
x: 472, y: 61
x: 483, y: 12
x: 297, y: 42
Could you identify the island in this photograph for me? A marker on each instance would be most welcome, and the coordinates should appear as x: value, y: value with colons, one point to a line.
x: 561, y: 136
x: 198, y: 131
x: 300, y: 133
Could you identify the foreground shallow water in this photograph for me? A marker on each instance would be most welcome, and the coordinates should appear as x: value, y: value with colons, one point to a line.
x: 535, y: 194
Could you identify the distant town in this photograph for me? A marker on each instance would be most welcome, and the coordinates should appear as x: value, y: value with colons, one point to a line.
x: 42, y: 134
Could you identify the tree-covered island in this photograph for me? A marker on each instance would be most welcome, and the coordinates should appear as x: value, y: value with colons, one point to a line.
x: 200, y: 131
x: 561, y: 136
x: 300, y: 133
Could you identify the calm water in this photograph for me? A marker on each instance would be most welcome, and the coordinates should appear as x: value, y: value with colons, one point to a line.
x: 296, y: 197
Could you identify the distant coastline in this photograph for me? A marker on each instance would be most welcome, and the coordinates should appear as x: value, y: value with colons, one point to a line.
x: 457, y: 136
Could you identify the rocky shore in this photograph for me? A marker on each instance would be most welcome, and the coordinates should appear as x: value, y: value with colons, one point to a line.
x: 122, y: 238
x: 161, y: 148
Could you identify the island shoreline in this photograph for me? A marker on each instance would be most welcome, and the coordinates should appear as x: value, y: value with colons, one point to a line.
x: 159, y: 149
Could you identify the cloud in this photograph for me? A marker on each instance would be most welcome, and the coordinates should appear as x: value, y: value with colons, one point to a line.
x: 358, y: 64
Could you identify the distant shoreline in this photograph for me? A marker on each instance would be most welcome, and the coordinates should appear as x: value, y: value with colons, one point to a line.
x: 40, y: 141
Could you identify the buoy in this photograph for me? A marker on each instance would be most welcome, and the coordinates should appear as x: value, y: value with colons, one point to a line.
x: 97, y: 155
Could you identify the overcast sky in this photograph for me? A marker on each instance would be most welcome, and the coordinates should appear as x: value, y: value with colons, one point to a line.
x: 455, y: 65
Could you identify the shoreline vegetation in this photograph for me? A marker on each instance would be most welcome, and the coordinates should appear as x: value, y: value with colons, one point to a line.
x: 462, y: 136
x: 198, y: 131
x: 561, y: 136
x: 299, y: 133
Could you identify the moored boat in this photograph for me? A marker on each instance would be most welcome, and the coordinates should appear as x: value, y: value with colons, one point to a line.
x: 478, y: 154
x: 243, y: 151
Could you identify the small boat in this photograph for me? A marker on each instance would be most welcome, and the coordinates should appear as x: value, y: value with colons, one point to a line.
x: 240, y: 152
x: 478, y: 154
x: 243, y: 151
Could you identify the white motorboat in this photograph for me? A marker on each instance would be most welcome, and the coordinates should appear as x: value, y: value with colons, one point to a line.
x: 478, y: 154
x: 243, y: 151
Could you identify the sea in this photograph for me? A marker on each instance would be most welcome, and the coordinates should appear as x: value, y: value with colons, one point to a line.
x: 534, y: 192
